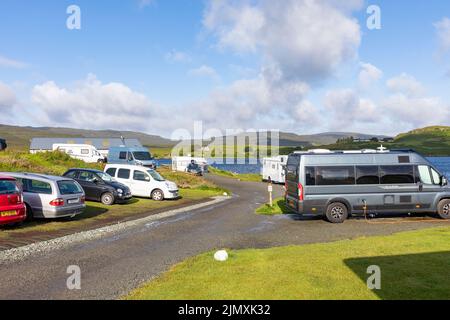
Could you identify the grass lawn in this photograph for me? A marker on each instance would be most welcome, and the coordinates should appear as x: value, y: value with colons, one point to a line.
x: 414, y: 265
x: 279, y: 207
x: 250, y: 177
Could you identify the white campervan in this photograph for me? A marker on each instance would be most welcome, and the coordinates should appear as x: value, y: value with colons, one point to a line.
x: 143, y: 182
x: 181, y: 163
x: 85, y: 152
x: 273, y: 169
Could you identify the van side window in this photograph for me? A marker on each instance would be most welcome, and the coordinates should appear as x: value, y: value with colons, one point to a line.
x: 122, y: 155
x: 111, y: 172
x: 397, y: 174
x: 367, y: 175
x: 424, y: 175
x: 124, y: 174
x: 310, y: 173
x: 335, y: 176
x: 140, y: 176
x: 436, y: 176
x: 292, y: 167
x: 84, y: 151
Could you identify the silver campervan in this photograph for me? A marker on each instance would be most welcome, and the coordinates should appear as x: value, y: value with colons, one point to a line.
x: 337, y: 184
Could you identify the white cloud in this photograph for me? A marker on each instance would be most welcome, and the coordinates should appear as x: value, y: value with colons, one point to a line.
x: 177, y: 56
x: 300, y: 39
x: 204, y: 71
x: 443, y: 33
x: 92, y: 104
x: 405, y: 84
x: 10, y: 63
x: 7, y: 98
x: 347, y: 108
x: 416, y: 111
x: 368, y: 75
x: 145, y: 3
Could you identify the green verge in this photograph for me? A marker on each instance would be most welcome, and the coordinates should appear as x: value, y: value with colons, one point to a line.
x: 414, y: 265
x: 279, y: 207
x: 248, y: 177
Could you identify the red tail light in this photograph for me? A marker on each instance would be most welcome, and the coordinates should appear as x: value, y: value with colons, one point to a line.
x: 83, y: 199
x: 300, y: 192
x: 57, y: 202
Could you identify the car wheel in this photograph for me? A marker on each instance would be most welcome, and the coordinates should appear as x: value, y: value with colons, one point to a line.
x: 29, y: 213
x: 337, y: 212
x: 108, y: 199
x: 444, y: 209
x: 157, y: 195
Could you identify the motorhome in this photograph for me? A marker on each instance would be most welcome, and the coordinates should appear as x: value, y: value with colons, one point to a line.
x: 338, y: 184
x: 181, y: 163
x: 85, y: 152
x: 273, y: 169
x: 139, y: 156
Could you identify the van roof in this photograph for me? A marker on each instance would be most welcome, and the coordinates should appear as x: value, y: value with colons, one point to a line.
x: 126, y: 166
x: 353, y: 152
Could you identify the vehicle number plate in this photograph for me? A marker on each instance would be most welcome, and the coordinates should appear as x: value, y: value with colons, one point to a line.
x: 8, y: 213
x: 72, y: 201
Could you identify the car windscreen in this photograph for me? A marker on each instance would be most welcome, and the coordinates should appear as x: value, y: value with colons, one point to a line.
x: 155, y: 175
x: 8, y: 187
x: 69, y: 187
x: 105, y: 177
x: 142, y: 155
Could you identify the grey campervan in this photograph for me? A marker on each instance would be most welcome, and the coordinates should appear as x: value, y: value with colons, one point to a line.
x: 341, y: 183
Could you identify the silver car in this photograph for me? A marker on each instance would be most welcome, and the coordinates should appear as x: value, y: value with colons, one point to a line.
x: 50, y: 196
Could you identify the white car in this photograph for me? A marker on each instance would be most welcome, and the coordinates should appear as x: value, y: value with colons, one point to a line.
x: 143, y: 182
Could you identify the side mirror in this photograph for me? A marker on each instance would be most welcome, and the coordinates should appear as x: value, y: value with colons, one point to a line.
x: 444, y: 181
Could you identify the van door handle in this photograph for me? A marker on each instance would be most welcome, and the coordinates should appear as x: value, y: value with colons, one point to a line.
x: 420, y: 187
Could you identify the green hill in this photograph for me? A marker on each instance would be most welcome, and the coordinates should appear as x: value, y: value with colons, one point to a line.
x: 430, y: 141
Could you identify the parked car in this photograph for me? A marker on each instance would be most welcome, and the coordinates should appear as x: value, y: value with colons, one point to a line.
x: 194, y: 168
x: 100, y: 186
x: 84, y: 152
x: 3, y: 144
x: 12, y: 208
x: 143, y: 182
x: 49, y: 196
x: 181, y: 163
x: 139, y: 156
x: 341, y: 183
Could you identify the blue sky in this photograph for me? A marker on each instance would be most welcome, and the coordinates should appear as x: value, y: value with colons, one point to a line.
x: 173, y: 62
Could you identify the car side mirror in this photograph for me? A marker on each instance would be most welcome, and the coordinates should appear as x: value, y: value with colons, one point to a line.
x: 95, y: 180
x: 444, y: 181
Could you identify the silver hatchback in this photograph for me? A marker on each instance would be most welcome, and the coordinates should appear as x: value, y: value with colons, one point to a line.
x: 50, y: 196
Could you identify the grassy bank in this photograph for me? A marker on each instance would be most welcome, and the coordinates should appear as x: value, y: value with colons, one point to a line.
x: 279, y: 207
x: 414, y: 265
x: 252, y: 177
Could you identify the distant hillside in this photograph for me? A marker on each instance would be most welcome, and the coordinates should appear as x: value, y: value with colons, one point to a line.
x: 19, y: 137
x: 431, y: 141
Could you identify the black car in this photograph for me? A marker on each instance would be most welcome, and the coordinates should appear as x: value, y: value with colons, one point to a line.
x: 3, y: 144
x: 194, y: 168
x: 100, y: 186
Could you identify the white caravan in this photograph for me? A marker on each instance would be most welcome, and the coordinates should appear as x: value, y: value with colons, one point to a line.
x: 143, y: 182
x: 85, y: 152
x: 181, y: 163
x: 273, y: 169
